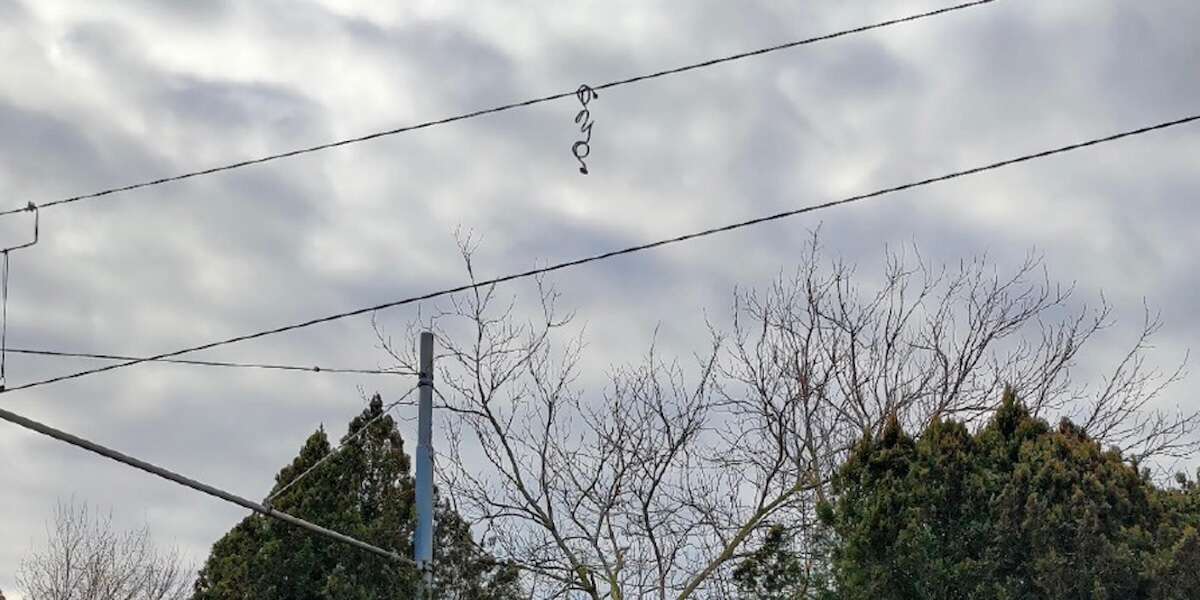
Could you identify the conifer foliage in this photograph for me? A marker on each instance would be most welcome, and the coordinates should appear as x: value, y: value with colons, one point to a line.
x: 1017, y: 509
x: 365, y: 491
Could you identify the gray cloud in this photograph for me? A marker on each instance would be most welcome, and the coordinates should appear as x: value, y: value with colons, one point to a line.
x: 99, y: 96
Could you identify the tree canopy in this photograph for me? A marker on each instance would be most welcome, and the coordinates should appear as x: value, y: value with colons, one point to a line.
x: 662, y: 482
x: 85, y: 556
x: 1017, y: 509
x: 364, y: 491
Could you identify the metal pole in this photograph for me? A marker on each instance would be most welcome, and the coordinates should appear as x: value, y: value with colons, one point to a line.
x: 423, y: 539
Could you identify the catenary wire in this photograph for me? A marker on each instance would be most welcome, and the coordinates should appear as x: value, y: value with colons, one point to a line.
x: 4, y: 321
x: 339, y: 447
x: 623, y: 251
x: 210, y: 363
x: 503, y: 108
x: 142, y: 465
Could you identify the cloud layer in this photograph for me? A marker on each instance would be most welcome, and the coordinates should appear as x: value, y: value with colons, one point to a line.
x: 102, y: 94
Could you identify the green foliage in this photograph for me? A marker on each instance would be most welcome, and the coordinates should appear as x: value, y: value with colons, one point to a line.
x: 365, y: 491
x: 777, y: 571
x: 1016, y: 510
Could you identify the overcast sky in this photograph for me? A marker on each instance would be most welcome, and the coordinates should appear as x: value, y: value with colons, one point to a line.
x: 99, y: 94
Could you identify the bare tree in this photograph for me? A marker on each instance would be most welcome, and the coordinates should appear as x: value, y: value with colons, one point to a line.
x: 656, y: 487
x: 86, y: 559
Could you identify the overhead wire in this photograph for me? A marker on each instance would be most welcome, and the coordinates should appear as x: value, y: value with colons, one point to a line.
x: 265, y: 508
x: 353, y: 436
x: 188, y: 482
x: 4, y: 321
x: 624, y: 251
x: 503, y: 107
x: 207, y: 363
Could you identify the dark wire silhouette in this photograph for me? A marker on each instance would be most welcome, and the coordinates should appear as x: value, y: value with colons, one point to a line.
x: 4, y: 323
x: 361, y: 430
x: 208, y: 363
x: 37, y: 216
x: 188, y: 482
x: 502, y: 108
x: 628, y: 250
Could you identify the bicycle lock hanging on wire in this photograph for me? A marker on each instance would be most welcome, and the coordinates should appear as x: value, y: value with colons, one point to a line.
x: 4, y: 295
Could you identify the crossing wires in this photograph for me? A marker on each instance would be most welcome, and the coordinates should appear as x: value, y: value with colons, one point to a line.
x: 504, y: 107
x: 628, y: 250
x: 194, y: 485
x: 349, y: 438
x: 212, y: 363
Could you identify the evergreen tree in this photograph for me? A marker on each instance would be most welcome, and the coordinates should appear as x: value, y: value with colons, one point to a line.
x: 1016, y: 510
x: 777, y: 571
x: 365, y: 491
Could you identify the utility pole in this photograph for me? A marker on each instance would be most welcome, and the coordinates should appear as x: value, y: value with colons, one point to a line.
x: 423, y: 539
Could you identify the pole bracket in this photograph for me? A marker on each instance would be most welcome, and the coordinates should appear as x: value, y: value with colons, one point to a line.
x: 31, y: 207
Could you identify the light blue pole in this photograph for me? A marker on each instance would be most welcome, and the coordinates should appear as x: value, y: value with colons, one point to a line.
x: 423, y: 540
